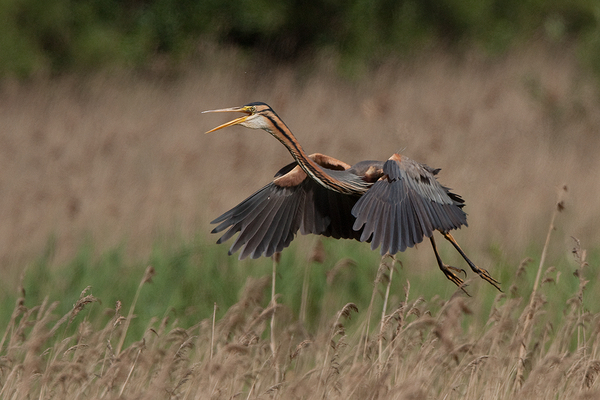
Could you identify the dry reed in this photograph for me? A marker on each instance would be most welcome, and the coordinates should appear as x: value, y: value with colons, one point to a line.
x: 417, y: 352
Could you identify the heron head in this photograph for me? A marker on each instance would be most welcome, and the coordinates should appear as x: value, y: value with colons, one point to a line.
x: 254, y: 116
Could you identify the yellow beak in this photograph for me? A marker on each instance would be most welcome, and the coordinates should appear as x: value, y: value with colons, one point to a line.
x: 230, y: 123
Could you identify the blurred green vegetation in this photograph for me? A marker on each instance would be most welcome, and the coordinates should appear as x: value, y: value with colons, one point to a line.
x: 53, y: 36
x: 192, y: 276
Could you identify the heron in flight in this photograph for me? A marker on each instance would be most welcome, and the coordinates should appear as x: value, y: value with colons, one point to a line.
x: 392, y: 204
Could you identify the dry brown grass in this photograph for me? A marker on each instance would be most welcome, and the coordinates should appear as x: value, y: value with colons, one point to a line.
x: 124, y: 158
x: 420, y: 350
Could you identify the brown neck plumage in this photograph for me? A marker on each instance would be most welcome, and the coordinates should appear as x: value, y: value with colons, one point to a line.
x: 282, y: 133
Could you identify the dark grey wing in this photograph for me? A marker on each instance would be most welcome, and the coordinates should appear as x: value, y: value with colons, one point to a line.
x: 406, y: 205
x: 268, y: 220
x: 328, y: 213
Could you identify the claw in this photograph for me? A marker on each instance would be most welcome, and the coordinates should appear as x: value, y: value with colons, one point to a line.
x: 456, y: 269
x: 446, y: 269
x: 452, y: 276
x: 487, y: 277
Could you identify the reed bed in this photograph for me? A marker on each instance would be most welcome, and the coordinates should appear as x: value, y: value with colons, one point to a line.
x: 410, y: 349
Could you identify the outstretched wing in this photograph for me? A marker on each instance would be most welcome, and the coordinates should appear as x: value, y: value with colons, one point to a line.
x: 268, y: 220
x: 406, y: 204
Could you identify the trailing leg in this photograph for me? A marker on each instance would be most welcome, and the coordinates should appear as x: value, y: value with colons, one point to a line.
x: 446, y: 269
x: 479, y: 271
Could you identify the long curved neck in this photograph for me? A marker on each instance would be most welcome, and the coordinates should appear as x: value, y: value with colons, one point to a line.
x: 282, y: 133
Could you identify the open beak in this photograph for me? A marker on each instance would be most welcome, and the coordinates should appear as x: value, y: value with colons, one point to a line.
x: 236, y: 121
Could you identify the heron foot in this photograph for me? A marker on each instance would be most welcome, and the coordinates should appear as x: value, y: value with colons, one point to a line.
x: 487, y: 277
x: 458, y: 270
x: 447, y: 270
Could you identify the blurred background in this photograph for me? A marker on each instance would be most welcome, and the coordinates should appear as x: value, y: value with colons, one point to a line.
x: 102, y: 140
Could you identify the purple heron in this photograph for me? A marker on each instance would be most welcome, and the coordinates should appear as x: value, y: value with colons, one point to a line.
x: 392, y: 204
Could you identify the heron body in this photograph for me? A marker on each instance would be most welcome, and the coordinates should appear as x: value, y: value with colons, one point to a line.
x: 392, y: 204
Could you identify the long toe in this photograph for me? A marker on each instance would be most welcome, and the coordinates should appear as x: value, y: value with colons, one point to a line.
x: 446, y: 269
x: 486, y: 276
x: 457, y: 270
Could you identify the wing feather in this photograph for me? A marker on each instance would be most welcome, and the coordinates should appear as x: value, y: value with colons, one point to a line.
x: 268, y: 220
x: 251, y: 229
x: 259, y: 240
x: 405, y: 205
x: 241, y: 220
x: 276, y: 240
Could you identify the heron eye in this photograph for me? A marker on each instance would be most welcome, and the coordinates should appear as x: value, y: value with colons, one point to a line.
x: 253, y: 109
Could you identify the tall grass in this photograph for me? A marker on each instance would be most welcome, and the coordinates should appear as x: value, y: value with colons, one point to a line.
x: 399, y: 342
x: 419, y: 349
